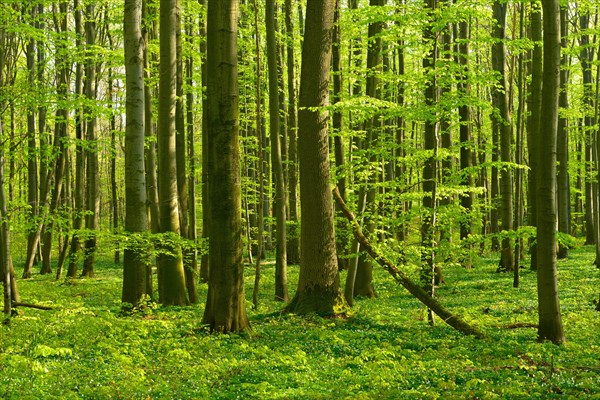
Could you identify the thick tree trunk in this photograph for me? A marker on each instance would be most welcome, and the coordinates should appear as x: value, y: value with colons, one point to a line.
x: 172, y: 286
x: 135, y: 260
x: 226, y: 302
x: 318, y: 285
x: 550, y: 323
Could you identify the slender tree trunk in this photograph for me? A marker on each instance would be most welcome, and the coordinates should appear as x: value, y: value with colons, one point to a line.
x: 466, y: 154
x: 318, y: 285
x: 429, y: 174
x: 281, y: 291
x: 503, y: 124
x: 92, y: 170
x: 293, y: 246
x: 192, y: 270
x: 534, y: 104
x: 226, y: 301
x: 563, y: 189
x: 172, y: 286
x: 32, y: 166
x: 75, y: 245
x: 550, y: 323
x: 260, y: 171
x: 204, y: 266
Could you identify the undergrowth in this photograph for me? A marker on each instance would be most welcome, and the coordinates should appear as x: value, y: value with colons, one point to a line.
x: 84, y: 347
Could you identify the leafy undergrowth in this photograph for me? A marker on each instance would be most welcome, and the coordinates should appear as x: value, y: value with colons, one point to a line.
x: 83, y: 348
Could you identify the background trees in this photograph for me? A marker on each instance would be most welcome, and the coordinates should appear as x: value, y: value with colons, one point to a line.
x: 410, y: 78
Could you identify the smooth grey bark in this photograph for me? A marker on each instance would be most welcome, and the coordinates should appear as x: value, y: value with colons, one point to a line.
x: 172, y: 286
x: 226, y: 301
x: 534, y: 104
x: 279, y: 206
x: 550, y: 322
x: 135, y: 260
x: 293, y: 238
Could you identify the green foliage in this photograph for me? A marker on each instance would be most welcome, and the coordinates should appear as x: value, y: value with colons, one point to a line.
x: 86, y: 348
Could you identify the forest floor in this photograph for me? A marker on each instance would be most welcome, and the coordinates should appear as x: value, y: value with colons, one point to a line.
x: 385, y: 349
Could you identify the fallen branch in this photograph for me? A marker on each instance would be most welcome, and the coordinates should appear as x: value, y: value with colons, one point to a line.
x: 451, y: 319
x: 518, y: 325
x: 29, y: 305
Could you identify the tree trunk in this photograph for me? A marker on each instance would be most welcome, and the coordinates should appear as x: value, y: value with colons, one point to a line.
x: 226, y: 302
x: 135, y: 259
x: 281, y: 291
x: 293, y: 246
x: 92, y: 172
x: 423, y: 296
x: 192, y: 270
x: 75, y: 244
x: 429, y: 174
x: 260, y: 170
x: 466, y: 154
x: 503, y: 125
x: 204, y: 267
x: 32, y: 166
x: 534, y: 104
x: 550, y: 323
x: 563, y: 188
x: 172, y: 286
x: 318, y: 285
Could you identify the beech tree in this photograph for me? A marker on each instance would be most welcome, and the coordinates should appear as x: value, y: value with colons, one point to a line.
x: 319, y: 283
x: 550, y: 322
x: 172, y: 288
x: 226, y: 302
x: 134, y: 259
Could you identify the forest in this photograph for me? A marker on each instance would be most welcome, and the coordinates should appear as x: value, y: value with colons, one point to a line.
x: 299, y: 199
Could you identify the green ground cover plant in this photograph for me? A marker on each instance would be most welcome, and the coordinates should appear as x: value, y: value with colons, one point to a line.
x: 85, y: 348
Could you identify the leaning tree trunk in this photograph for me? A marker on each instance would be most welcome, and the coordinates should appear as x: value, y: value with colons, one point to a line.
x: 226, y: 301
x: 319, y: 284
x: 426, y: 298
x: 550, y: 323
x: 172, y: 286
